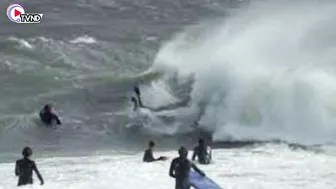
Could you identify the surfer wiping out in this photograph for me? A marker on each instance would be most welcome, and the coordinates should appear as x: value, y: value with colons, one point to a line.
x: 138, y: 102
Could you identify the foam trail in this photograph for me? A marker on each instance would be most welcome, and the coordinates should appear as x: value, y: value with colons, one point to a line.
x: 267, y: 72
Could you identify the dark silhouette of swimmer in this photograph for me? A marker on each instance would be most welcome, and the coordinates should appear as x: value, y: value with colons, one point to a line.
x: 148, y: 155
x: 202, y: 152
x: 137, y: 92
x: 48, y: 115
x: 180, y: 168
x: 24, y: 168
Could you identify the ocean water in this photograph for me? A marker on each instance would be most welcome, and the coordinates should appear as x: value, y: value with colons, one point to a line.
x: 256, y: 77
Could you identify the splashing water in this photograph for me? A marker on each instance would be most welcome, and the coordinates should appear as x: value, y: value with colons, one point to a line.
x: 265, y: 73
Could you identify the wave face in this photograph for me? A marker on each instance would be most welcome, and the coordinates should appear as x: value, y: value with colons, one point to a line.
x: 266, y: 72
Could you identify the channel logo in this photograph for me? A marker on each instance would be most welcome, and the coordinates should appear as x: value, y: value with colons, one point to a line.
x: 16, y: 13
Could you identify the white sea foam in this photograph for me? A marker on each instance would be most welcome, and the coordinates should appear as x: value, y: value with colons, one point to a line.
x: 258, y: 168
x: 84, y: 40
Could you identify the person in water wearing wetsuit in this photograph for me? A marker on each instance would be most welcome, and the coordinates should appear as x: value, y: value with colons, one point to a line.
x: 180, y: 168
x: 202, y: 152
x: 48, y: 115
x: 24, y: 168
x: 137, y: 92
x: 148, y: 155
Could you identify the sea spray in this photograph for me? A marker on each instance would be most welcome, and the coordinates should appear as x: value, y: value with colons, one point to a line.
x: 267, y: 72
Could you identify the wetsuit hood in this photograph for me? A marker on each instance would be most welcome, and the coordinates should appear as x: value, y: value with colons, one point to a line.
x: 183, y: 152
x: 27, y: 152
x: 47, y: 107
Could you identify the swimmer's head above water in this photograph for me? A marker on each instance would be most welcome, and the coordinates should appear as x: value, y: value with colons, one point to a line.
x: 47, y: 107
x: 27, y: 152
x: 151, y: 144
x: 201, y: 141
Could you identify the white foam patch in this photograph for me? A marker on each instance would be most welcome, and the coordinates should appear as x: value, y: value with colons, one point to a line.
x: 84, y: 40
x: 22, y: 42
x: 273, y: 167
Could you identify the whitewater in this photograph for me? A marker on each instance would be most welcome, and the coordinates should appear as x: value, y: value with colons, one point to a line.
x: 255, y: 77
x: 264, y: 167
x: 266, y: 74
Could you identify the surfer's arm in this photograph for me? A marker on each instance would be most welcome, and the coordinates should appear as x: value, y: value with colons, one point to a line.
x: 194, y: 154
x: 55, y: 117
x: 197, y: 169
x: 16, y: 169
x: 58, y: 121
x: 38, y: 174
x: 171, y: 169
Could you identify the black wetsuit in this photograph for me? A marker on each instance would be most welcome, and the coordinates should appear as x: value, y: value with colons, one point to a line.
x: 49, y: 117
x: 179, y: 169
x: 148, y: 156
x: 24, y: 169
x: 203, y: 156
x: 137, y: 92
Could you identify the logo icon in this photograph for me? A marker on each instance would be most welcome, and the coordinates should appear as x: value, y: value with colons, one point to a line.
x: 16, y: 13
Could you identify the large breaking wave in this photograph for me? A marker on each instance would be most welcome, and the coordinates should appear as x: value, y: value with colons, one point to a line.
x: 266, y: 72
